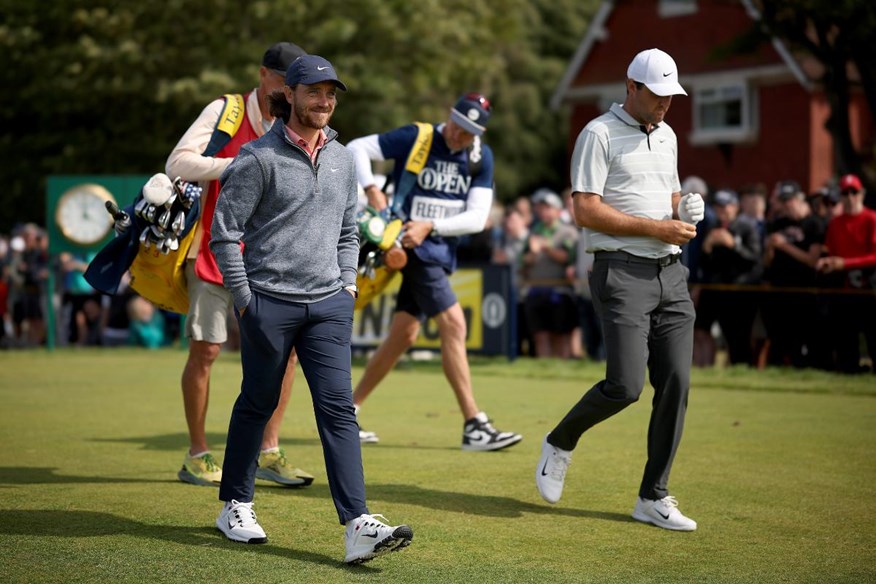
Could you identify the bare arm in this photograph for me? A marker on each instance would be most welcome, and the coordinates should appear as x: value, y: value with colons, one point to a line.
x: 592, y: 213
x: 538, y: 244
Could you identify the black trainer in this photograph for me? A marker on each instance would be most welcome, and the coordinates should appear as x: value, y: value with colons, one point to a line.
x: 479, y: 434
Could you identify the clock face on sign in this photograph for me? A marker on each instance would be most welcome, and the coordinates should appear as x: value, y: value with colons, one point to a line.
x: 81, y: 214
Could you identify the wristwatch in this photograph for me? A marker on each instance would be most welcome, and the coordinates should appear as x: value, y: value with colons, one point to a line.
x: 354, y: 289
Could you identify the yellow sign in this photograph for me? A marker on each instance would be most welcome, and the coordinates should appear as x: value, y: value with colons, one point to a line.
x: 371, y: 322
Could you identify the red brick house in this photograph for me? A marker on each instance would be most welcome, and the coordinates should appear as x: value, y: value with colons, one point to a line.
x: 751, y: 118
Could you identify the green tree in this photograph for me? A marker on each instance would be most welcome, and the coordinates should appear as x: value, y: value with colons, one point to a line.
x: 108, y: 87
x: 838, y: 34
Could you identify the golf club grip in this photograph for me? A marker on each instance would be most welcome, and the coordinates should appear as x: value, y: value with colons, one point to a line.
x: 114, y: 210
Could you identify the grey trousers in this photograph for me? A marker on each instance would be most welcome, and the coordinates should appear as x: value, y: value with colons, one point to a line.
x: 647, y: 318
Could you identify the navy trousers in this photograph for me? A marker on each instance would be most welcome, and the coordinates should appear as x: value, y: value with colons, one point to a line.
x: 320, y: 333
x: 647, y: 318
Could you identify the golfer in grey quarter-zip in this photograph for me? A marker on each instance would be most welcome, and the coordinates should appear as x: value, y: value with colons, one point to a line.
x: 290, y: 199
x: 274, y: 183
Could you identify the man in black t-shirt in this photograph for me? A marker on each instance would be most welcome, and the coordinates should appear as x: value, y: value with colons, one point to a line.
x: 793, y: 245
x: 731, y: 254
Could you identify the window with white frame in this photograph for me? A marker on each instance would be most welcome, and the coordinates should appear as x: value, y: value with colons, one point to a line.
x: 669, y: 8
x: 724, y: 113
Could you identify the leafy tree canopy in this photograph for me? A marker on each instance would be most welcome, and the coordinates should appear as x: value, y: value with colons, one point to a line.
x: 838, y: 35
x: 108, y: 87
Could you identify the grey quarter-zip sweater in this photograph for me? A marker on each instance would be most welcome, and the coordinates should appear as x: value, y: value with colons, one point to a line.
x: 296, y: 219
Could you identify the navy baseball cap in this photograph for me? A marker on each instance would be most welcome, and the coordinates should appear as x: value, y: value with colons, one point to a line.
x: 280, y: 55
x: 310, y: 70
x: 471, y: 113
x: 789, y: 189
x: 725, y: 197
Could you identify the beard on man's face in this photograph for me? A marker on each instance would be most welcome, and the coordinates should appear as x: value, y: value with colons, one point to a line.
x: 315, y: 118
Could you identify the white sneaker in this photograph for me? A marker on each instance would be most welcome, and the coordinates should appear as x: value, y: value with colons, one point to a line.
x: 366, y: 437
x: 238, y: 522
x: 551, y: 471
x: 366, y: 537
x: 663, y: 513
x: 478, y: 434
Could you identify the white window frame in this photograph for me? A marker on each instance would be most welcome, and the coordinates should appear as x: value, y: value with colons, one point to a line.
x: 670, y: 8
x: 748, y: 128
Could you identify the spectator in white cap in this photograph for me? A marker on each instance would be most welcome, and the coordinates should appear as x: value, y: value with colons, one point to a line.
x: 545, y: 195
x: 627, y: 196
x: 550, y: 308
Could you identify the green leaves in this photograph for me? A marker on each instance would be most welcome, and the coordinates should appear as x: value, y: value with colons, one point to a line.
x: 105, y: 87
x: 838, y: 35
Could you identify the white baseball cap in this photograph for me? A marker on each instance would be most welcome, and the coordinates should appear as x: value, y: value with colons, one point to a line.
x: 548, y: 197
x: 657, y: 71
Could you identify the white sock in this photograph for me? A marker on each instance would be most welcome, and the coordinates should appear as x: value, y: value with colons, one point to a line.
x: 270, y: 450
x: 199, y: 454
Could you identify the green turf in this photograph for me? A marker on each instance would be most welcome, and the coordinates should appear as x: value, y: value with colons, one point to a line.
x: 777, y: 467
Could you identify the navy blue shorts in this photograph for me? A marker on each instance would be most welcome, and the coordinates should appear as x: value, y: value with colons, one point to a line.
x: 425, y: 289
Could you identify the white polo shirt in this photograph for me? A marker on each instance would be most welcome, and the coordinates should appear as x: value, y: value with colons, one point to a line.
x: 634, y: 172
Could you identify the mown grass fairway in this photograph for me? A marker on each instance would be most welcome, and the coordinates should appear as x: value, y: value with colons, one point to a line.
x: 777, y: 467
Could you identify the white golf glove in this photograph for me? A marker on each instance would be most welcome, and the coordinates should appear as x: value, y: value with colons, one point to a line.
x: 691, y: 208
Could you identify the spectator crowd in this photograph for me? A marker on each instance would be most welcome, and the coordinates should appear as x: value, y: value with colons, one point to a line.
x: 778, y: 276
x: 84, y: 317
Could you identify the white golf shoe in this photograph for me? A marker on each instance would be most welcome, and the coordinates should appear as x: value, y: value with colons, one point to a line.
x: 367, y: 537
x: 551, y: 471
x: 238, y: 522
x: 663, y: 513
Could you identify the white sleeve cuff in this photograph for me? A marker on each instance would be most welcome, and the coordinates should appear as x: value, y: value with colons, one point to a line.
x: 473, y: 219
x: 365, y: 150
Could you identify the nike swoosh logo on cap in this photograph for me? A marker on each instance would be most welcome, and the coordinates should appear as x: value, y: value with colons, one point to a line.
x: 665, y: 74
x: 318, y: 68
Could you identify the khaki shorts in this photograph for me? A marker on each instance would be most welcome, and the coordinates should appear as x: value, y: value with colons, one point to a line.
x: 209, y: 304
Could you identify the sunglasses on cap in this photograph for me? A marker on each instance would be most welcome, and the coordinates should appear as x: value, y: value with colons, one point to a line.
x: 849, y: 192
x: 483, y: 101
